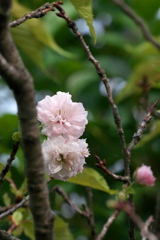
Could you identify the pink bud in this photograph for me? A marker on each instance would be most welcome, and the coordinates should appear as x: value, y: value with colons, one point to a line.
x: 144, y: 176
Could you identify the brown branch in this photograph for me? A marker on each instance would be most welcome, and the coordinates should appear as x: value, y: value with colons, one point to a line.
x: 7, y: 69
x: 91, y: 215
x: 147, y: 224
x: 101, y: 74
x: 9, y: 162
x: 137, y: 220
x: 138, y: 135
x: 145, y: 85
x: 102, y: 165
x: 136, y: 138
x: 60, y: 191
x: 107, y: 225
x: 13, y: 209
x: 38, y: 13
x: 87, y: 213
x: 19, y: 80
x: 129, y: 11
x: 3, y: 209
x: 131, y: 229
x: 6, y: 236
x: 157, y: 217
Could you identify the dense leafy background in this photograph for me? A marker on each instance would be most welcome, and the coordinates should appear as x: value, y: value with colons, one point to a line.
x: 55, y: 58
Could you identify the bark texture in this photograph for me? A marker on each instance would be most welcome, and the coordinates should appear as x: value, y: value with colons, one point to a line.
x: 20, y: 81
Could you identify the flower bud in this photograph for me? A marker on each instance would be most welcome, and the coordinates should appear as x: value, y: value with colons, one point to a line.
x: 121, y: 196
x: 144, y: 176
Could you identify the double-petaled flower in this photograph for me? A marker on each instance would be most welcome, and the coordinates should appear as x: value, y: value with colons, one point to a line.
x: 64, y: 122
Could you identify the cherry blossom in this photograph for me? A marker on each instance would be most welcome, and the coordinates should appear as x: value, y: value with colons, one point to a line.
x: 61, y: 116
x: 64, y: 157
x: 144, y: 176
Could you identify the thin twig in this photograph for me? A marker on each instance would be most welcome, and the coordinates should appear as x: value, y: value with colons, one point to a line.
x: 126, y: 206
x: 107, y: 225
x: 157, y: 216
x: 9, y: 162
x: 3, y: 209
x: 136, y: 138
x: 138, y: 135
x: 101, y: 74
x: 129, y: 11
x: 13, y: 209
x: 145, y: 85
x: 91, y: 216
x: 102, y: 165
x: 6, y: 236
x: 87, y: 213
x: 131, y: 230
x: 38, y: 13
x: 147, y: 224
x: 59, y: 190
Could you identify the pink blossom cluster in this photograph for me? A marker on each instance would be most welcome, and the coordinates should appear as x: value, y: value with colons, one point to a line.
x: 64, y: 122
x: 144, y: 176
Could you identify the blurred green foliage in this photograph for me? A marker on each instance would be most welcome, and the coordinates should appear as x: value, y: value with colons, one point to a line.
x: 57, y: 62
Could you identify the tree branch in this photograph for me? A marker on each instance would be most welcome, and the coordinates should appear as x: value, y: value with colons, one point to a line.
x: 101, y: 74
x: 157, y: 217
x: 137, y: 220
x: 22, y: 85
x: 138, y: 135
x: 129, y: 11
x: 9, y: 162
x: 136, y: 138
x: 102, y: 165
x: 107, y: 225
x: 13, y: 209
x: 6, y: 236
x: 91, y: 218
x: 88, y: 213
x: 38, y: 13
x: 60, y: 191
x: 147, y: 224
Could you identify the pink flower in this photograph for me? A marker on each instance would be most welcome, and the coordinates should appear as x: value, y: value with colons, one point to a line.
x: 144, y: 176
x: 61, y: 116
x: 64, y: 157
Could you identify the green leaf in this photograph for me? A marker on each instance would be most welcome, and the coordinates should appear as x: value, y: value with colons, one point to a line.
x: 142, y: 51
x: 13, y: 189
x: 9, y: 123
x: 80, y: 80
x: 130, y: 190
x: 150, y: 9
x: 23, y: 189
x: 150, y: 69
x: 61, y: 230
x: 84, y: 8
x: 16, y: 136
x: 6, y: 199
x: 18, y: 231
x: 8, y: 175
x: 26, y: 41
x: 17, y: 216
x: 32, y: 35
x: 28, y: 229
x: 91, y: 178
